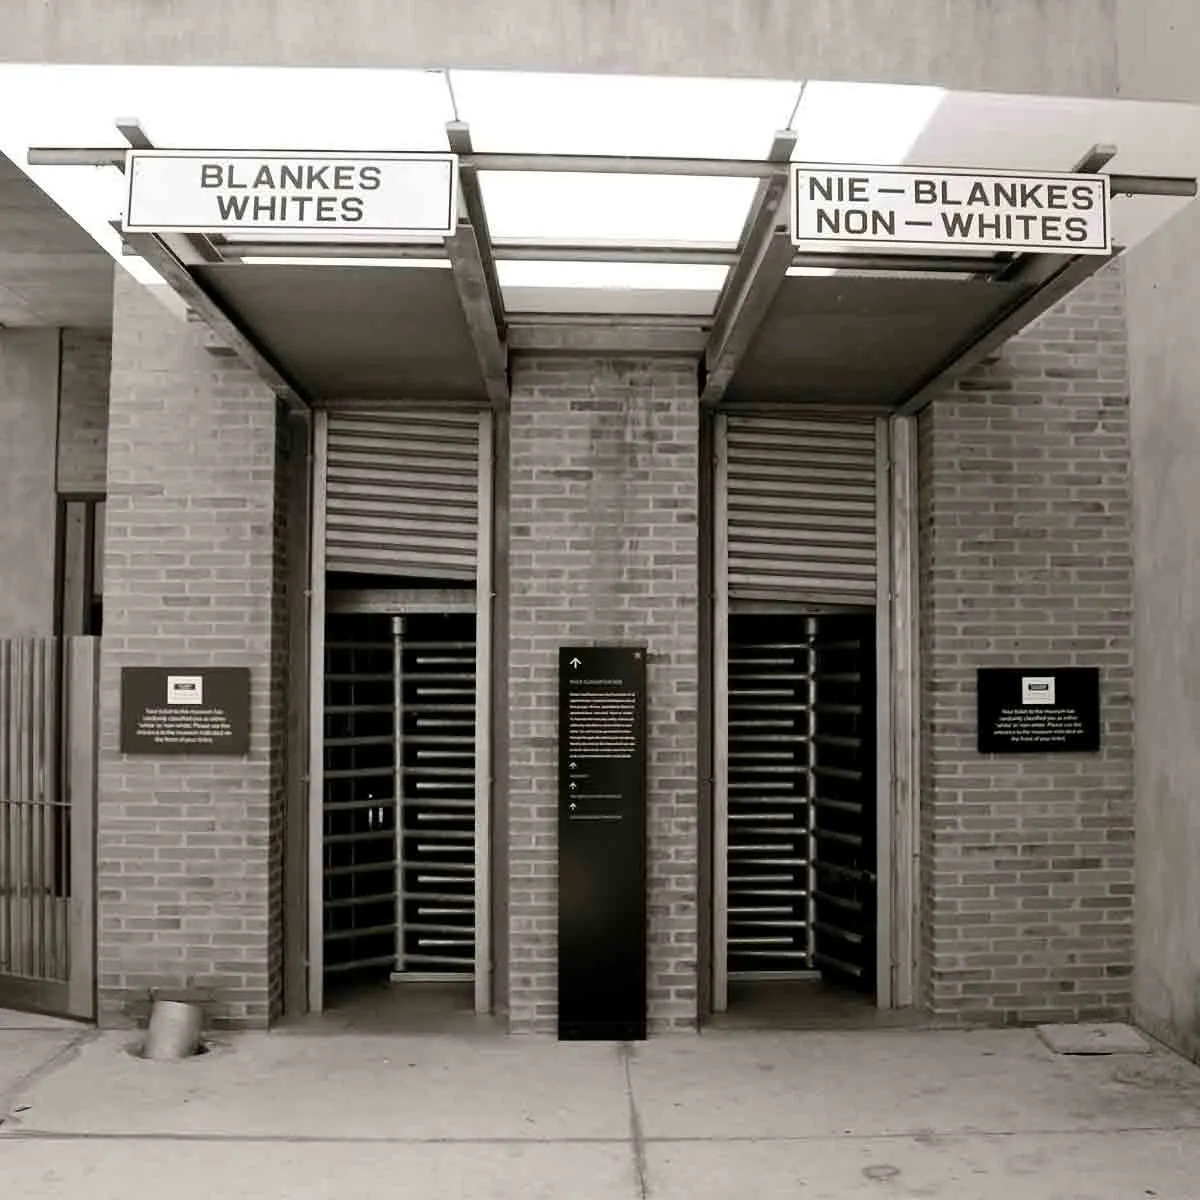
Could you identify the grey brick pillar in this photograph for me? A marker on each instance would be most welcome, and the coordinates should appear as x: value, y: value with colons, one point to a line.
x: 189, y: 847
x: 603, y: 504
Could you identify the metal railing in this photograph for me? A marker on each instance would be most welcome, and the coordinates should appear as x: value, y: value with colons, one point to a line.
x: 47, y: 812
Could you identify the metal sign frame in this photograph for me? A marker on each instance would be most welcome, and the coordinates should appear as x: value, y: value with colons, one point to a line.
x: 295, y: 232
x: 1097, y: 185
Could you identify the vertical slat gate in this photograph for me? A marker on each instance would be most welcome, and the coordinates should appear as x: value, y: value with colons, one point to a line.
x: 36, y: 861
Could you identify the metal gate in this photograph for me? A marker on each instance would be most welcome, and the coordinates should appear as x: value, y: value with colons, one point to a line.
x: 844, y: 867
x: 801, y: 513
x: 47, y: 807
x: 801, y: 815
x: 399, y: 794
x: 400, y: 621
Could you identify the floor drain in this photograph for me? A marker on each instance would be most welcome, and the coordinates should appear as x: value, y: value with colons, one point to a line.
x: 138, y: 1050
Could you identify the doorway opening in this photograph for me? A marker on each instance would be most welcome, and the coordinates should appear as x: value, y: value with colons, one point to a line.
x: 800, y: 839
x: 399, y: 837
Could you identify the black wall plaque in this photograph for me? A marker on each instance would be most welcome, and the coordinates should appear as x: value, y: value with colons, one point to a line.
x: 602, y: 843
x: 1038, y: 710
x: 185, y: 710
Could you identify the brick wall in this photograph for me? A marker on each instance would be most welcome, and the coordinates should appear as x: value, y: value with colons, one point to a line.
x: 603, y: 548
x: 83, y: 411
x: 186, y: 845
x: 1025, y: 561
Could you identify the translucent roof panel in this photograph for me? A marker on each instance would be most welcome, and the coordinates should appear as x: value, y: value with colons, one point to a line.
x: 227, y: 107
x: 622, y: 114
x: 615, y: 209
x: 631, y: 275
x: 871, y: 124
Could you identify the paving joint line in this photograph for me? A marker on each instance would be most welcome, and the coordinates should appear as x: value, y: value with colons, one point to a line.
x: 636, y: 1133
x: 65, y: 1054
x: 17, y: 1133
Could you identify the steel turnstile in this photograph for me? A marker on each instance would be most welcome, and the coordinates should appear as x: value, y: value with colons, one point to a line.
x: 801, y: 796
x: 399, y: 794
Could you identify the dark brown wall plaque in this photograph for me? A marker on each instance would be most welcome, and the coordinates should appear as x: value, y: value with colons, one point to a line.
x: 1038, y: 710
x: 602, y: 842
x: 185, y: 710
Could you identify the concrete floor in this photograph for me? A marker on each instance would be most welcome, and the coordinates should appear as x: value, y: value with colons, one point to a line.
x: 836, y: 1115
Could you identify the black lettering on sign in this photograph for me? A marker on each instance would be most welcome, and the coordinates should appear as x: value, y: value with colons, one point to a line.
x: 978, y: 194
x: 956, y: 224
x: 352, y: 208
x: 291, y: 176
x: 1084, y: 197
x: 1051, y: 229
x: 369, y: 179
x: 1031, y: 195
x: 924, y: 191
x: 1056, y: 195
x: 264, y: 178
x: 232, y: 208
x: 316, y: 178
x: 820, y: 190
x: 1077, y: 230
x: 211, y: 175
x: 326, y: 209
x: 856, y: 221
x: 343, y: 177
x: 1006, y: 194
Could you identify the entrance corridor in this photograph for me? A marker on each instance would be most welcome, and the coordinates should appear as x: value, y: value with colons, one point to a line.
x: 955, y: 1115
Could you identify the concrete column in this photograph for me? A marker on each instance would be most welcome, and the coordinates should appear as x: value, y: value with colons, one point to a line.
x: 1158, y: 40
x: 29, y: 364
x: 603, y: 547
x: 190, y: 847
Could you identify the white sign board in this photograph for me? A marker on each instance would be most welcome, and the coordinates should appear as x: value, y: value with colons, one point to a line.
x: 1037, y: 689
x: 185, y: 689
x: 903, y: 208
x: 381, y: 197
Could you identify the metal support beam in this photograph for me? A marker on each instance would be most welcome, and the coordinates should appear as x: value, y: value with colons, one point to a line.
x: 1053, y: 276
x: 470, y: 275
x: 110, y: 156
x: 459, y: 137
x: 192, y: 292
x: 1095, y: 160
x: 764, y: 254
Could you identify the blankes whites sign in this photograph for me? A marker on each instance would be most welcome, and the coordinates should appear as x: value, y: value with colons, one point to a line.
x: 377, y: 196
x: 904, y: 208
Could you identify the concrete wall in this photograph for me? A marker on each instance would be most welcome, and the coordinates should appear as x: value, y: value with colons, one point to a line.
x: 1163, y: 290
x: 188, y: 847
x: 83, y: 412
x: 1027, y: 860
x: 28, y: 438
x: 602, y: 548
x: 1063, y: 47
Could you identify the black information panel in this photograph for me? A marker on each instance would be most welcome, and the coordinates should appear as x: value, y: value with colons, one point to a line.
x: 1038, y: 711
x: 602, y: 843
x: 185, y: 710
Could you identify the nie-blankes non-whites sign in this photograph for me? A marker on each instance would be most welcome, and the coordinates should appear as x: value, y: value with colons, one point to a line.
x: 398, y: 197
x: 907, y: 208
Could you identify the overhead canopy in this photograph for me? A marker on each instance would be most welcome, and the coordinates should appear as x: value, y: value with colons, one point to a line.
x: 51, y: 272
x: 599, y: 215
